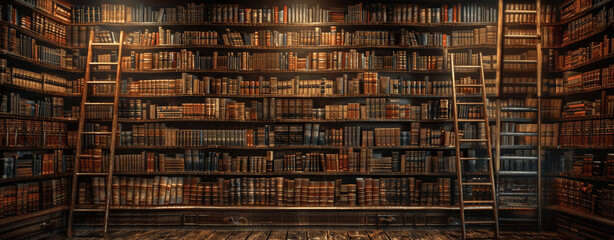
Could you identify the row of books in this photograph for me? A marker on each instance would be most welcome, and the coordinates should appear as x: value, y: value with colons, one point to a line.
x: 22, y: 198
x: 593, y: 133
x: 43, y: 82
x: 590, y: 53
x: 576, y: 81
x: 56, y: 8
x: 278, y: 191
x: 551, y: 36
x: 364, y: 83
x: 578, y: 195
x: 278, y: 109
x: 43, y: 26
x: 522, y: 192
x: 158, y: 134
x: 586, y: 165
x: 526, y: 55
x: 522, y: 17
x: 520, y: 41
x: 35, y: 164
x: 315, y: 37
x: 294, y: 13
x: 582, y: 108
x: 13, y: 103
x: 519, y: 164
x: 552, y: 86
x: 337, y: 60
x: 21, y: 133
x: 587, y: 25
x: 575, y: 7
x: 17, y: 43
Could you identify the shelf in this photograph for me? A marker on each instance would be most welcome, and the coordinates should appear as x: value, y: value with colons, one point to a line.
x: 11, y: 86
x: 518, y: 173
x: 36, y: 118
x: 582, y: 178
x: 277, y: 208
x: 585, y: 36
x: 518, y: 157
x: 37, y: 10
x: 583, y: 215
x: 521, y: 120
x: 583, y: 91
x: 580, y: 14
x: 518, y: 207
x: 291, y: 174
x: 279, y: 121
x: 33, y: 148
x: 518, y: 109
x: 39, y: 38
x: 200, y: 95
x: 297, y: 47
x: 313, y: 24
x: 439, y: 71
x: 518, y: 134
x: 518, y: 147
x: 4, y: 53
x: 516, y: 194
x: 563, y: 119
x: 35, y: 177
x: 30, y: 215
x: 298, y: 147
x: 586, y: 64
x: 566, y: 147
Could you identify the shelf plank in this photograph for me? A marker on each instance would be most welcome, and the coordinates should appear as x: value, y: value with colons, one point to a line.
x: 30, y: 215
x: 583, y: 215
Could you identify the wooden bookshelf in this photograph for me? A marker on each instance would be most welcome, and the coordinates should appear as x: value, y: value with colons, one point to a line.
x: 26, y: 216
x: 582, y: 215
x: 34, y: 177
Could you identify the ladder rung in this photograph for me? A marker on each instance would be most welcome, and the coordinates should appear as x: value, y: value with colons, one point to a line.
x: 477, y: 184
x: 473, y: 140
x: 98, y: 103
x: 521, y: 36
x: 92, y: 174
x: 470, y: 103
x: 105, y: 44
x: 519, y: 61
x: 101, y: 82
x: 97, y: 133
x: 521, y: 11
x: 478, y: 201
x: 474, y: 158
x: 88, y: 209
x: 479, y: 222
x: 478, y: 207
x: 467, y: 66
x: 103, y: 63
x: 468, y: 85
x: 471, y: 120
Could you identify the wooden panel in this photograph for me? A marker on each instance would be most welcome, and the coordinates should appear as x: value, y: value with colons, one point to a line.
x: 317, y: 235
x: 338, y: 235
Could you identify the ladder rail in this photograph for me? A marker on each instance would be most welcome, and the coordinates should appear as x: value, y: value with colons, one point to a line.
x: 489, y: 149
x: 113, y: 134
x: 538, y: 20
x: 79, y: 146
x: 457, y: 150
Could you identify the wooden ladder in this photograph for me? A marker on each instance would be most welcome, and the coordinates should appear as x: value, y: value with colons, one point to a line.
x: 478, y: 104
x: 113, y: 133
x: 502, y: 36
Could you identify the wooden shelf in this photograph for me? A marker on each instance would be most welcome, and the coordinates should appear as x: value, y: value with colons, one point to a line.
x: 36, y: 118
x: 578, y: 15
x: 281, y: 121
x: 35, y: 177
x: 39, y: 38
x: 582, y: 178
x: 299, y: 47
x: 4, y: 53
x: 32, y: 148
x: 566, y: 147
x: 278, y: 208
x: 30, y: 90
x: 585, y: 37
x: 590, y: 63
x: 583, y: 215
x: 298, y: 147
x: 313, y: 24
x: 439, y: 71
x: 564, y: 119
x: 40, y: 11
x: 30, y: 215
x: 200, y: 95
x: 295, y: 174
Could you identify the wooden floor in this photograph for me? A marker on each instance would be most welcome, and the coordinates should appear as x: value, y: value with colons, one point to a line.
x: 313, y: 234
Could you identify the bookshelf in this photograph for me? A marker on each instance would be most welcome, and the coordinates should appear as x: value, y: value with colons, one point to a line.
x: 563, y: 162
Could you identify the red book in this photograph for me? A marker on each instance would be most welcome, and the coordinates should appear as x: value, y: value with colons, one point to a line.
x: 285, y: 14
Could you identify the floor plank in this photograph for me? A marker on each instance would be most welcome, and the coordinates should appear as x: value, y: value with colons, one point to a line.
x: 338, y: 235
x: 200, y: 234
x: 296, y: 235
x: 219, y: 235
x: 259, y: 235
x: 278, y: 235
x: 396, y: 235
x: 416, y: 234
x: 239, y: 235
x: 377, y: 235
x: 317, y: 234
x: 358, y: 234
